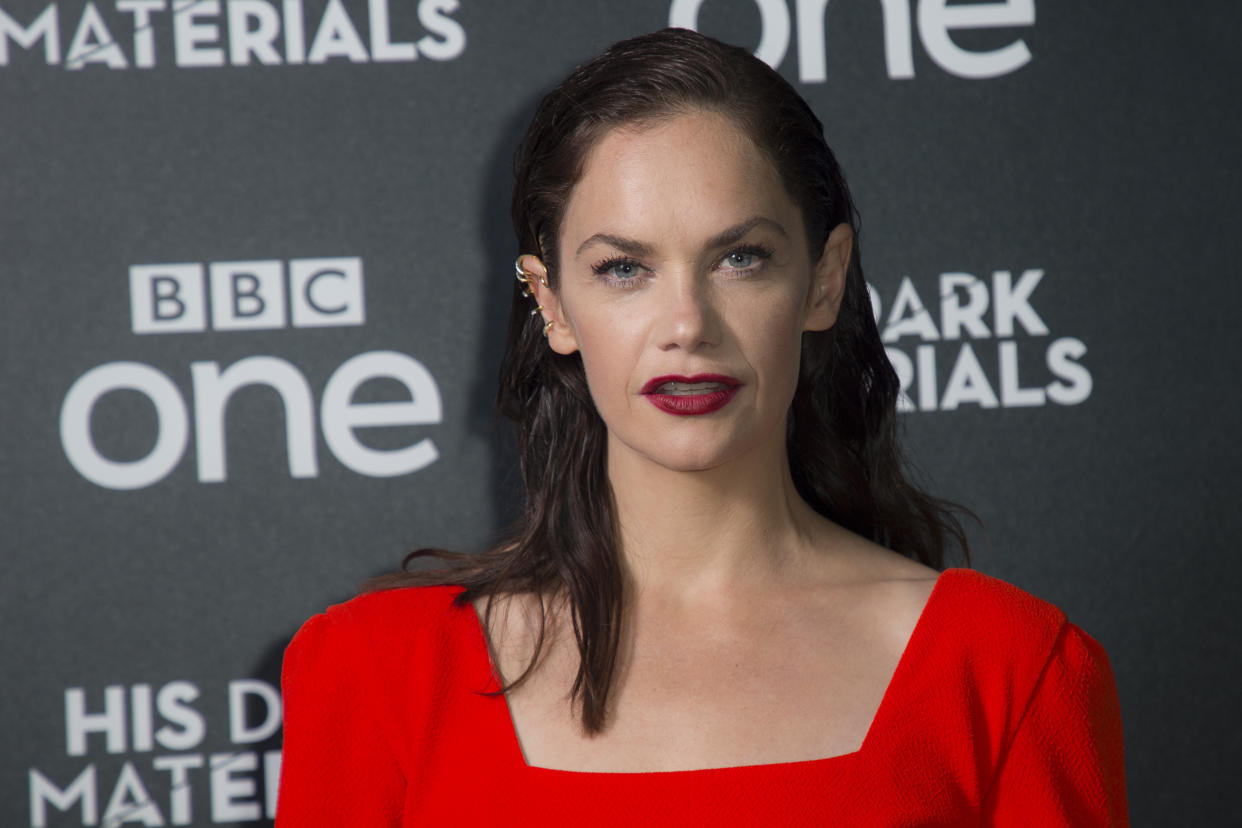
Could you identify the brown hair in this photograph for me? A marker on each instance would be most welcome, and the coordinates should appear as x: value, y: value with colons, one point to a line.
x: 842, y: 425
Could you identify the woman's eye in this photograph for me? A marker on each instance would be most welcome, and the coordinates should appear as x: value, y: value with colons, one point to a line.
x: 619, y: 271
x: 746, y: 258
x: 623, y: 270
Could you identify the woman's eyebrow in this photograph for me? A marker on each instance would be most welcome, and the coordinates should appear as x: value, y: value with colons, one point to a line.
x: 737, y: 231
x: 633, y: 247
x: 628, y: 246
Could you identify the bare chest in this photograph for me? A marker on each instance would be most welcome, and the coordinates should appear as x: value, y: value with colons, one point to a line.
x: 711, y: 695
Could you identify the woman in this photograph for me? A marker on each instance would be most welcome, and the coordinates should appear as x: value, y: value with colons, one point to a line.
x: 723, y: 604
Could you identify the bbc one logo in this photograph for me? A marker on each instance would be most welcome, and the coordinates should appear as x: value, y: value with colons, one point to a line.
x: 934, y: 21
x: 213, y: 33
x: 188, y: 298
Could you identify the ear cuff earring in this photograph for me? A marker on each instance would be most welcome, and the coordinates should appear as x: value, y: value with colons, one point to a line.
x: 525, y: 277
x: 528, y: 291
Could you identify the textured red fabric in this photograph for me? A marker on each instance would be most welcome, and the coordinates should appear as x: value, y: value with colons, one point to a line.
x: 1000, y: 713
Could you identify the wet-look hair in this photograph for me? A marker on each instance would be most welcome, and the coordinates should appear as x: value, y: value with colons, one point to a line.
x: 842, y: 425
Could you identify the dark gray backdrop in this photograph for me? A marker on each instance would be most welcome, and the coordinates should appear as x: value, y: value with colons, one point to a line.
x: 142, y: 626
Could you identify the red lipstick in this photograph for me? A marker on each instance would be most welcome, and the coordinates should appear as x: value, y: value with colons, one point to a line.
x: 686, y: 396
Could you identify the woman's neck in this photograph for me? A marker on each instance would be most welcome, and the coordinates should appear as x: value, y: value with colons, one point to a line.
x: 708, y: 532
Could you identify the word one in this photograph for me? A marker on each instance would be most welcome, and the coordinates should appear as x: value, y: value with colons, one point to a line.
x: 339, y: 414
x: 936, y: 18
x: 171, y: 298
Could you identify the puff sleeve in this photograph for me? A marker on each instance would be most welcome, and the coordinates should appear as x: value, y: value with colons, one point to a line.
x: 337, y: 766
x: 1064, y: 764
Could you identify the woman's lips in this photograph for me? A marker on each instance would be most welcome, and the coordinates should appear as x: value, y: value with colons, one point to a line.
x: 699, y: 394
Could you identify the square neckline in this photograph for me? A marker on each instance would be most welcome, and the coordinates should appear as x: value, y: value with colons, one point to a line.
x: 914, y: 646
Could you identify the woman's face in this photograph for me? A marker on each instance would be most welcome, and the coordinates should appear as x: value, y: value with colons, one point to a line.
x: 686, y: 283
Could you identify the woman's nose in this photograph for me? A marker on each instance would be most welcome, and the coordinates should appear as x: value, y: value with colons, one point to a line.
x: 688, y: 318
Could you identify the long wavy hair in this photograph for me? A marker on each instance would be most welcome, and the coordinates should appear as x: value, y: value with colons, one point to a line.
x: 842, y: 425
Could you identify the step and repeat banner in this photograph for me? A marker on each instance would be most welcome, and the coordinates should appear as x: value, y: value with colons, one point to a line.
x: 256, y: 263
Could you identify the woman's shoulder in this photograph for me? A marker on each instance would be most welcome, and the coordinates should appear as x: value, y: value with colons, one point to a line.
x: 409, y: 603
x: 388, y: 620
x: 996, y: 602
x: 407, y: 641
x: 999, y: 691
x: 363, y: 682
x: 996, y: 628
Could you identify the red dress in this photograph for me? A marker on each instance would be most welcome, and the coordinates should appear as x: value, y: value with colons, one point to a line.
x: 1000, y: 712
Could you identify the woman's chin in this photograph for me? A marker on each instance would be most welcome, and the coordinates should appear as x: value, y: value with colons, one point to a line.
x: 699, y: 456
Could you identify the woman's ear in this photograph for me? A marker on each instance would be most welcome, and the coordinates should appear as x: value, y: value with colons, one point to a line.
x: 828, y: 280
x: 547, y: 303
